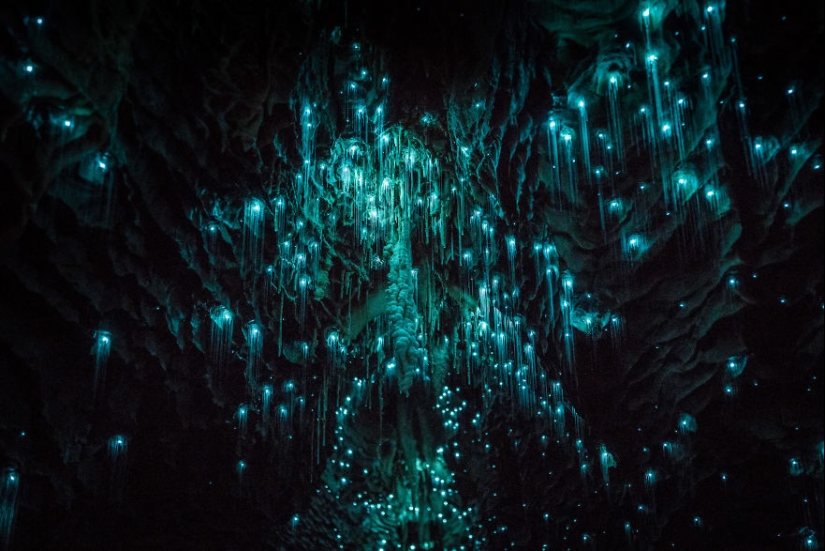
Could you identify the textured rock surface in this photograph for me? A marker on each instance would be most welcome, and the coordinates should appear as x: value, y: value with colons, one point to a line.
x: 396, y: 197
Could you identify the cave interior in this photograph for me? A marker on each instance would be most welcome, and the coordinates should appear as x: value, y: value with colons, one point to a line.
x: 317, y: 274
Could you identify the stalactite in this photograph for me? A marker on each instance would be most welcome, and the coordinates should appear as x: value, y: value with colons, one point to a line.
x: 403, y: 315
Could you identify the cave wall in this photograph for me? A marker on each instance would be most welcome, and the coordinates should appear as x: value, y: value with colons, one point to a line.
x: 317, y: 274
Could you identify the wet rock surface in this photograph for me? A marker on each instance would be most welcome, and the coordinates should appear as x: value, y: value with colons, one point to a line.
x: 308, y: 275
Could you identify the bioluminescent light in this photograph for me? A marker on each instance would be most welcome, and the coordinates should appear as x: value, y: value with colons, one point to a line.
x: 254, y: 334
x: 118, y: 447
x: 253, y: 236
x: 220, y: 342
x: 9, y: 486
x: 100, y: 350
x: 687, y: 423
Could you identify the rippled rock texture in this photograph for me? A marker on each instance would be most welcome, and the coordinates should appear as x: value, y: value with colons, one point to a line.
x: 312, y: 275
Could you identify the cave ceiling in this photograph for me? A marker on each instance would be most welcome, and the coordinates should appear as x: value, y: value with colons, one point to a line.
x: 466, y: 275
